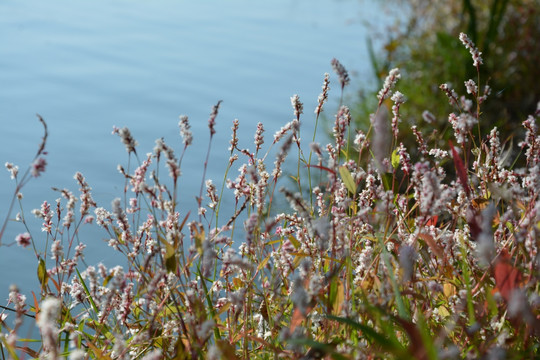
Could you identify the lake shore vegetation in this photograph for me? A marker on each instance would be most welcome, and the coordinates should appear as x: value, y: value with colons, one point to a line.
x: 383, y: 251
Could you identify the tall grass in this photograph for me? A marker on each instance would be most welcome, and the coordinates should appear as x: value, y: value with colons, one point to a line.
x: 380, y: 255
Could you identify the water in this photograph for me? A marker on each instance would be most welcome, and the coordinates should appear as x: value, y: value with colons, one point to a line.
x: 86, y: 66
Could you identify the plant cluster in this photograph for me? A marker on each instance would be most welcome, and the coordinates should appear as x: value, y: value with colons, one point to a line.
x: 380, y: 254
x: 426, y: 48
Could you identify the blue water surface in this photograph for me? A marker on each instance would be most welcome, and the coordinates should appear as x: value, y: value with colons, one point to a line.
x: 88, y: 65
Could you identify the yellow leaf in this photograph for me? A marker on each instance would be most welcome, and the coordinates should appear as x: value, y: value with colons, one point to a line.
x: 338, y: 300
x: 42, y: 273
x: 224, y: 308
x: 443, y: 312
x: 395, y: 159
x: 449, y: 290
x: 263, y: 263
x: 347, y: 179
x: 480, y: 203
x: 237, y: 283
x: 295, y: 242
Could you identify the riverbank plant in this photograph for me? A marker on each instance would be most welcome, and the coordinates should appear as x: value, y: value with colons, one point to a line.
x: 380, y: 254
x: 425, y: 47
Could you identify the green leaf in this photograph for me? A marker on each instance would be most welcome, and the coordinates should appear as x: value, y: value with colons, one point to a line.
x: 395, y: 159
x: 386, y: 180
x: 42, y: 273
x: 170, y: 257
x: 295, y: 242
x: 263, y: 262
x: 325, y: 349
x: 87, y: 292
x: 386, y: 343
x: 347, y: 179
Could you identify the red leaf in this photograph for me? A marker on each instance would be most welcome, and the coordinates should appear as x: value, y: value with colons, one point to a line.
x: 432, y: 221
x: 416, y: 346
x: 322, y: 168
x: 460, y: 169
x: 507, y: 277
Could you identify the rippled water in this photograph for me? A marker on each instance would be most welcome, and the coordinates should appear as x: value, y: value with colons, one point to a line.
x: 86, y: 66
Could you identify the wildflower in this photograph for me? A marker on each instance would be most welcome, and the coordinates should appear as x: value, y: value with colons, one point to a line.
x: 297, y: 106
x: 185, y: 132
x: 404, y: 159
x: 260, y: 187
x: 407, y: 258
x: 389, y: 83
x: 214, y: 353
x: 77, y: 354
x: 57, y: 250
x: 485, y: 245
x: 398, y: 99
x: 76, y: 291
x: 532, y: 142
x: 103, y: 217
x: 13, y: 169
x: 438, y: 153
x: 381, y: 136
x: 324, y: 95
x: 204, y: 330
x: 119, y: 349
x: 259, y: 139
x: 127, y: 139
x: 364, y: 258
x: 359, y: 139
x: 341, y: 72
x: 16, y: 298
x: 343, y: 119
x: 79, y: 251
x: 38, y: 166
x: 461, y: 124
x: 234, y: 140
x: 466, y: 104
x: 23, y: 239
x: 435, y: 287
x: 281, y: 132
x: 450, y: 93
x: 487, y: 92
x: 280, y: 158
x: 476, y: 55
x: 316, y: 148
x: 209, y: 255
x: 299, y: 296
x: 428, y: 117
x: 237, y: 298
x: 124, y: 309
x: 138, y: 178
x: 212, y: 119
x: 86, y: 198
x: 519, y: 306
x: 46, y: 214
x: 48, y: 316
x: 471, y: 87
x: 250, y: 226
x: 211, y: 191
